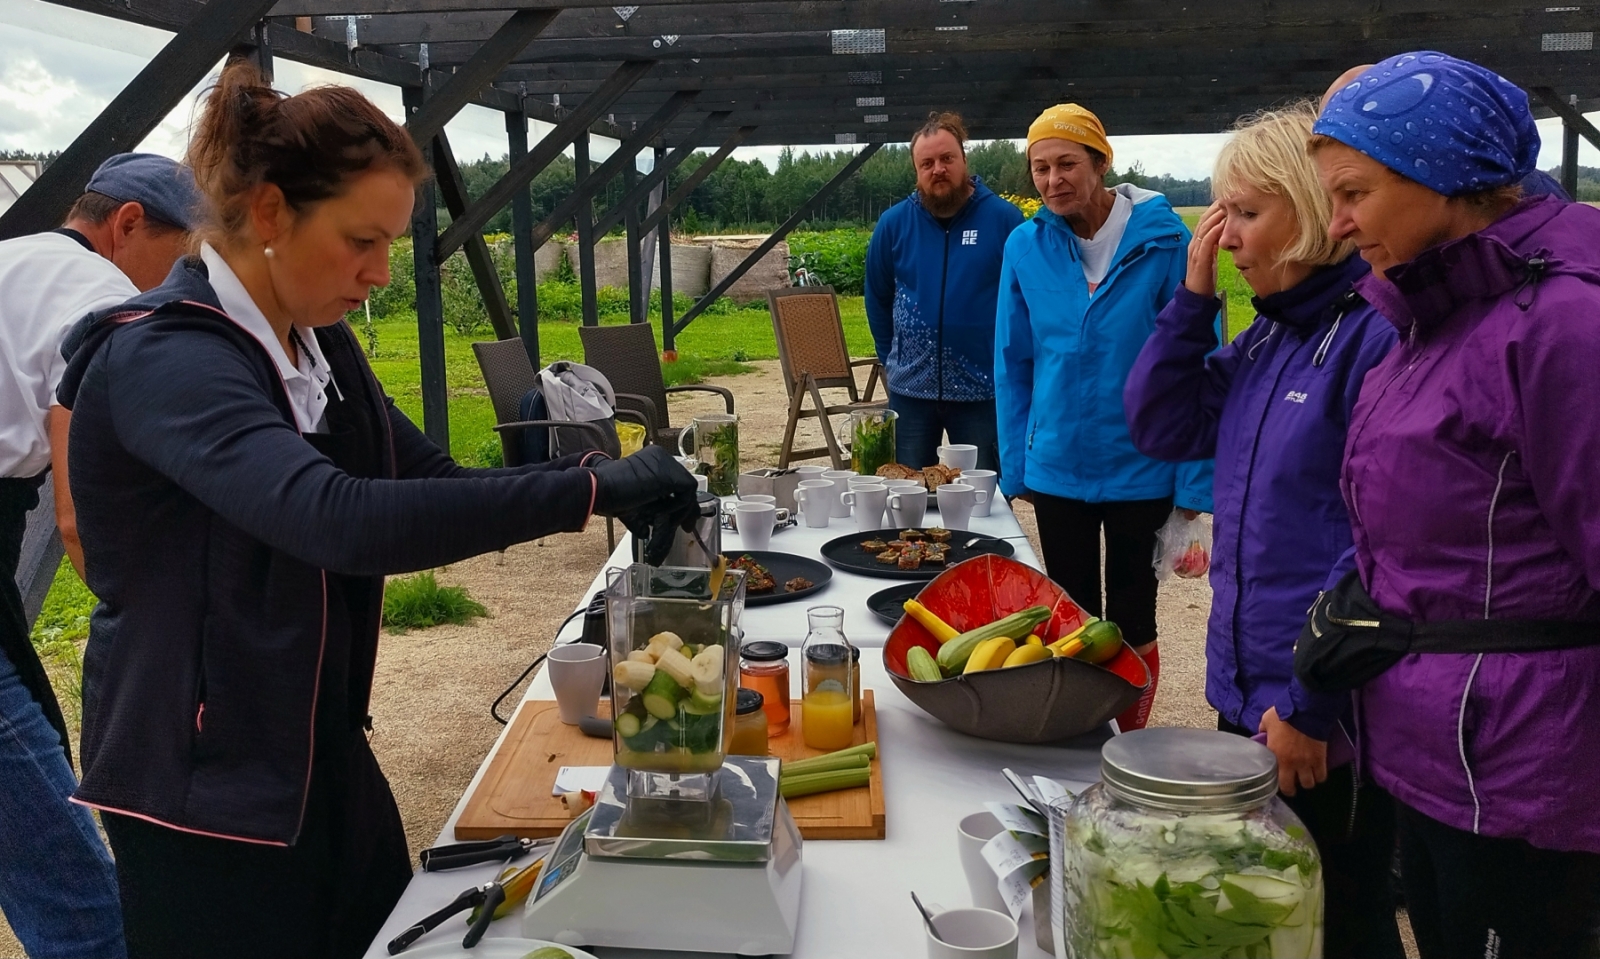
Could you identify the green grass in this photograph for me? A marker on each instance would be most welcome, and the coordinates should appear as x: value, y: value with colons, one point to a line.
x: 417, y: 602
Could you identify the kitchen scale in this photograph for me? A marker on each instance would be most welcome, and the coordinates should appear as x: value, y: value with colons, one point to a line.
x: 718, y: 873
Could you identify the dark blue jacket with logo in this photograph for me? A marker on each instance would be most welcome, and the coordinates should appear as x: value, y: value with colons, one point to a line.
x: 1273, y: 408
x: 239, y: 563
x: 931, y: 292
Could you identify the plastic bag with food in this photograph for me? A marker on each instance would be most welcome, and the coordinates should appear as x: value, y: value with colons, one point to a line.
x: 1183, y: 547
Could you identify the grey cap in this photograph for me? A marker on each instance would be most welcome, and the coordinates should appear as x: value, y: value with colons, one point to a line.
x: 164, y: 187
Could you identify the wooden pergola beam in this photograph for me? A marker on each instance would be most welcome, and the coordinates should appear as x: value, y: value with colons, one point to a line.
x: 478, y: 72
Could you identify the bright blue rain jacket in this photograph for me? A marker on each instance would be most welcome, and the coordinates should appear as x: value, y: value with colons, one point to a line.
x: 930, y: 293
x: 1063, y: 354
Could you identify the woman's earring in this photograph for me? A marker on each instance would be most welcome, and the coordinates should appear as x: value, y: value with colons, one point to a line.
x: 267, y: 251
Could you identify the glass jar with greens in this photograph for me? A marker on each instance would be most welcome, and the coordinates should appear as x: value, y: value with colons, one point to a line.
x: 870, y: 436
x: 713, y: 441
x: 1184, y: 849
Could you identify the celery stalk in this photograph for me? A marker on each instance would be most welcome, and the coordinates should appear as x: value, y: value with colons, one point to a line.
x: 823, y: 764
x: 802, y: 766
x: 791, y: 786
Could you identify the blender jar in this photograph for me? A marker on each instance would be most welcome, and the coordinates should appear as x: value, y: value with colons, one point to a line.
x: 1184, y: 848
x: 673, y: 635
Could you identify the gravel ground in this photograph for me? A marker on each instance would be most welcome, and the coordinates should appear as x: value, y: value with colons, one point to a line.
x: 431, y: 696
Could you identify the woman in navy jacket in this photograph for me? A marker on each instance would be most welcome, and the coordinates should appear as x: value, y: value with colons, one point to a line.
x: 243, y: 485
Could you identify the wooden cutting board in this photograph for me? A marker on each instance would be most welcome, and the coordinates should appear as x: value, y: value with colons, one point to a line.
x: 513, y: 797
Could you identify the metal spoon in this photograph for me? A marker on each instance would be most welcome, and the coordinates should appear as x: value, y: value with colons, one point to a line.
x: 927, y: 917
x: 978, y: 539
x: 1025, y: 792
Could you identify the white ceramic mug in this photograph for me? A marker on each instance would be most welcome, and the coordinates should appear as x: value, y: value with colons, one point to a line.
x: 986, y: 480
x: 810, y: 472
x: 841, y: 481
x: 577, y: 671
x: 971, y: 835
x: 972, y: 934
x: 958, y: 456
x: 907, y: 505
x: 867, y: 502
x: 816, y: 498
x: 755, y: 522
x: 956, y: 503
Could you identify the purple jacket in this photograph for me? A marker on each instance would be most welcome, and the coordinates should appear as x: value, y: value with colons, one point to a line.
x: 1473, y: 476
x: 1272, y: 407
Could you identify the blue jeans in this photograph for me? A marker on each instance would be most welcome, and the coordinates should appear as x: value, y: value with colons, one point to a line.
x: 922, y: 426
x: 58, y: 888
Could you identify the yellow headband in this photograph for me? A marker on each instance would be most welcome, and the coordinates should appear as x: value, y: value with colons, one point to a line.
x: 1068, y: 121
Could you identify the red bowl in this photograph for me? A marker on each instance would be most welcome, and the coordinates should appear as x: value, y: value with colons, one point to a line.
x: 1041, y: 702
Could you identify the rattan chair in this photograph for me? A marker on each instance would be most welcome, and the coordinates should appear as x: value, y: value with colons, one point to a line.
x: 626, y: 355
x: 812, y: 350
x: 509, y: 375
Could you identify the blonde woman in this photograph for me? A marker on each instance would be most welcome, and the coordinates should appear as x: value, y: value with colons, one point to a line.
x: 1273, y: 408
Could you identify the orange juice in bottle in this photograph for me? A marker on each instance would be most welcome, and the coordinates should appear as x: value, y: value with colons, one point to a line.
x: 827, y: 705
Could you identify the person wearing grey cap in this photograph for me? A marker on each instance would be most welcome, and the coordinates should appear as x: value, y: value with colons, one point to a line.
x: 57, y: 883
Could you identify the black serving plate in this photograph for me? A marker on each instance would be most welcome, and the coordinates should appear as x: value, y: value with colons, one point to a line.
x: 846, y: 553
x: 889, y: 604
x: 783, y: 567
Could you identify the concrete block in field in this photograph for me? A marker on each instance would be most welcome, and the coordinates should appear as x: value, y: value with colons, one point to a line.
x: 547, y: 259
x: 691, y: 270
x: 770, y: 272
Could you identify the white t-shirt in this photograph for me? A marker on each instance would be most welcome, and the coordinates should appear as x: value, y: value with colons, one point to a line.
x: 1097, y: 252
x: 48, y: 282
x: 307, y: 381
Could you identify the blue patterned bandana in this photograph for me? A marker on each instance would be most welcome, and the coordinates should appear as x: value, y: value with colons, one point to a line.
x: 1448, y: 124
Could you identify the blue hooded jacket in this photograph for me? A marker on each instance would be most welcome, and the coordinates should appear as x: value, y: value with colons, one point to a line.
x: 930, y: 293
x: 1062, y: 355
x: 1273, y: 407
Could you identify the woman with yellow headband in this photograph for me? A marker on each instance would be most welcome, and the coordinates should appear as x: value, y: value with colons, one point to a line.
x: 1080, y: 288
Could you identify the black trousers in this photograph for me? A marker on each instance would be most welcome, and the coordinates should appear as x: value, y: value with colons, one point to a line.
x: 1472, y: 896
x: 325, y: 897
x: 1354, y: 831
x: 1069, y: 535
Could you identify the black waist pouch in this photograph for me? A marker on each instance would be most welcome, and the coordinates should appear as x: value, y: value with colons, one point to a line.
x: 1348, y: 640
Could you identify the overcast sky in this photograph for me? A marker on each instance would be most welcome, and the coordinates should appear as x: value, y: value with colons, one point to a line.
x: 59, y: 67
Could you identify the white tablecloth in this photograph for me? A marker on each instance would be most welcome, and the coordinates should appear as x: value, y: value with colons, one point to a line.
x: 855, y: 901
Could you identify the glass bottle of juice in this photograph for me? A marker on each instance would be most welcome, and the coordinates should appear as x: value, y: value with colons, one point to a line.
x: 827, y: 703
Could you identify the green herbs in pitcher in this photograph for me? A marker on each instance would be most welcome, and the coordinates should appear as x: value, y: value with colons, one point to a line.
x: 719, y: 458
x: 872, y: 445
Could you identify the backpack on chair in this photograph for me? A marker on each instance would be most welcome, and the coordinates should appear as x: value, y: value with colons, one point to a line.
x: 568, y: 391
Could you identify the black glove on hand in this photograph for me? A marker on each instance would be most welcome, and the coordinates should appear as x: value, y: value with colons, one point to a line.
x: 634, y: 482
x: 655, y: 525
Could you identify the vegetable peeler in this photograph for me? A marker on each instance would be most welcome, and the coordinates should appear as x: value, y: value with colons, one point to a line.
x: 487, y: 897
x: 458, y: 855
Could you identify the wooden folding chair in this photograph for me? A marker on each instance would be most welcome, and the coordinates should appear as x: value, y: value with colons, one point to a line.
x: 812, y: 350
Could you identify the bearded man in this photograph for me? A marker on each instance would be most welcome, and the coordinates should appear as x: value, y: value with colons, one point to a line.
x: 933, y: 275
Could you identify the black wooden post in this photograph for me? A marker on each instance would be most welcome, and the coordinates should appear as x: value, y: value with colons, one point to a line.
x: 664, y: 251
x: 638, y: 291
x: 134, y: 113
x: 585, y: 219
x: 522, y: 242
x: 453, y: 188
x: 430, y: 298
x: 1569, y: 157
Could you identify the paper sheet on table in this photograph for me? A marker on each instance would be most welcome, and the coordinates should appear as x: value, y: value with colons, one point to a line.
x: 571, y: 779
x: 1019, y: 861
x: 1015, y: 818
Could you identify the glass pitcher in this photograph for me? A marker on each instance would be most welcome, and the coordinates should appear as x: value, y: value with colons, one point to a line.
x: 827, y: 703
x: 673, y: 633
x: 870, y: 436
x: 713, y: 441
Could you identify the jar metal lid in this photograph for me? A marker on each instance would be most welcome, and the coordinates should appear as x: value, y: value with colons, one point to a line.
x: 747, y: 701
x: 827, y: 654
x: 1189, y: 770
x: 764, y: 650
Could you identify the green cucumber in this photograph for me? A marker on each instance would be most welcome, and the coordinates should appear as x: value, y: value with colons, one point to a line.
x: 662, y: 695
x: 953, y: 655
x: 702, y: 704
x: 921, y: 665
x: 628, y: 725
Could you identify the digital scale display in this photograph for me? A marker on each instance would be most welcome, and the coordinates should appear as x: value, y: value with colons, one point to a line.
x: 563, y: 860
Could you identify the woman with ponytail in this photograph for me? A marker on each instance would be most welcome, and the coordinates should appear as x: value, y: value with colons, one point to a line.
x: 243, y: 486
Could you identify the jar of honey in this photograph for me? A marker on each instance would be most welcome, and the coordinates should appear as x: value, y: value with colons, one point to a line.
x: 764, y: 667
x: 749, y: 725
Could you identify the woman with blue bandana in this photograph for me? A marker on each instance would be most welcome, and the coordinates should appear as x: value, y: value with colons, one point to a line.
x: 1470, y: 474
